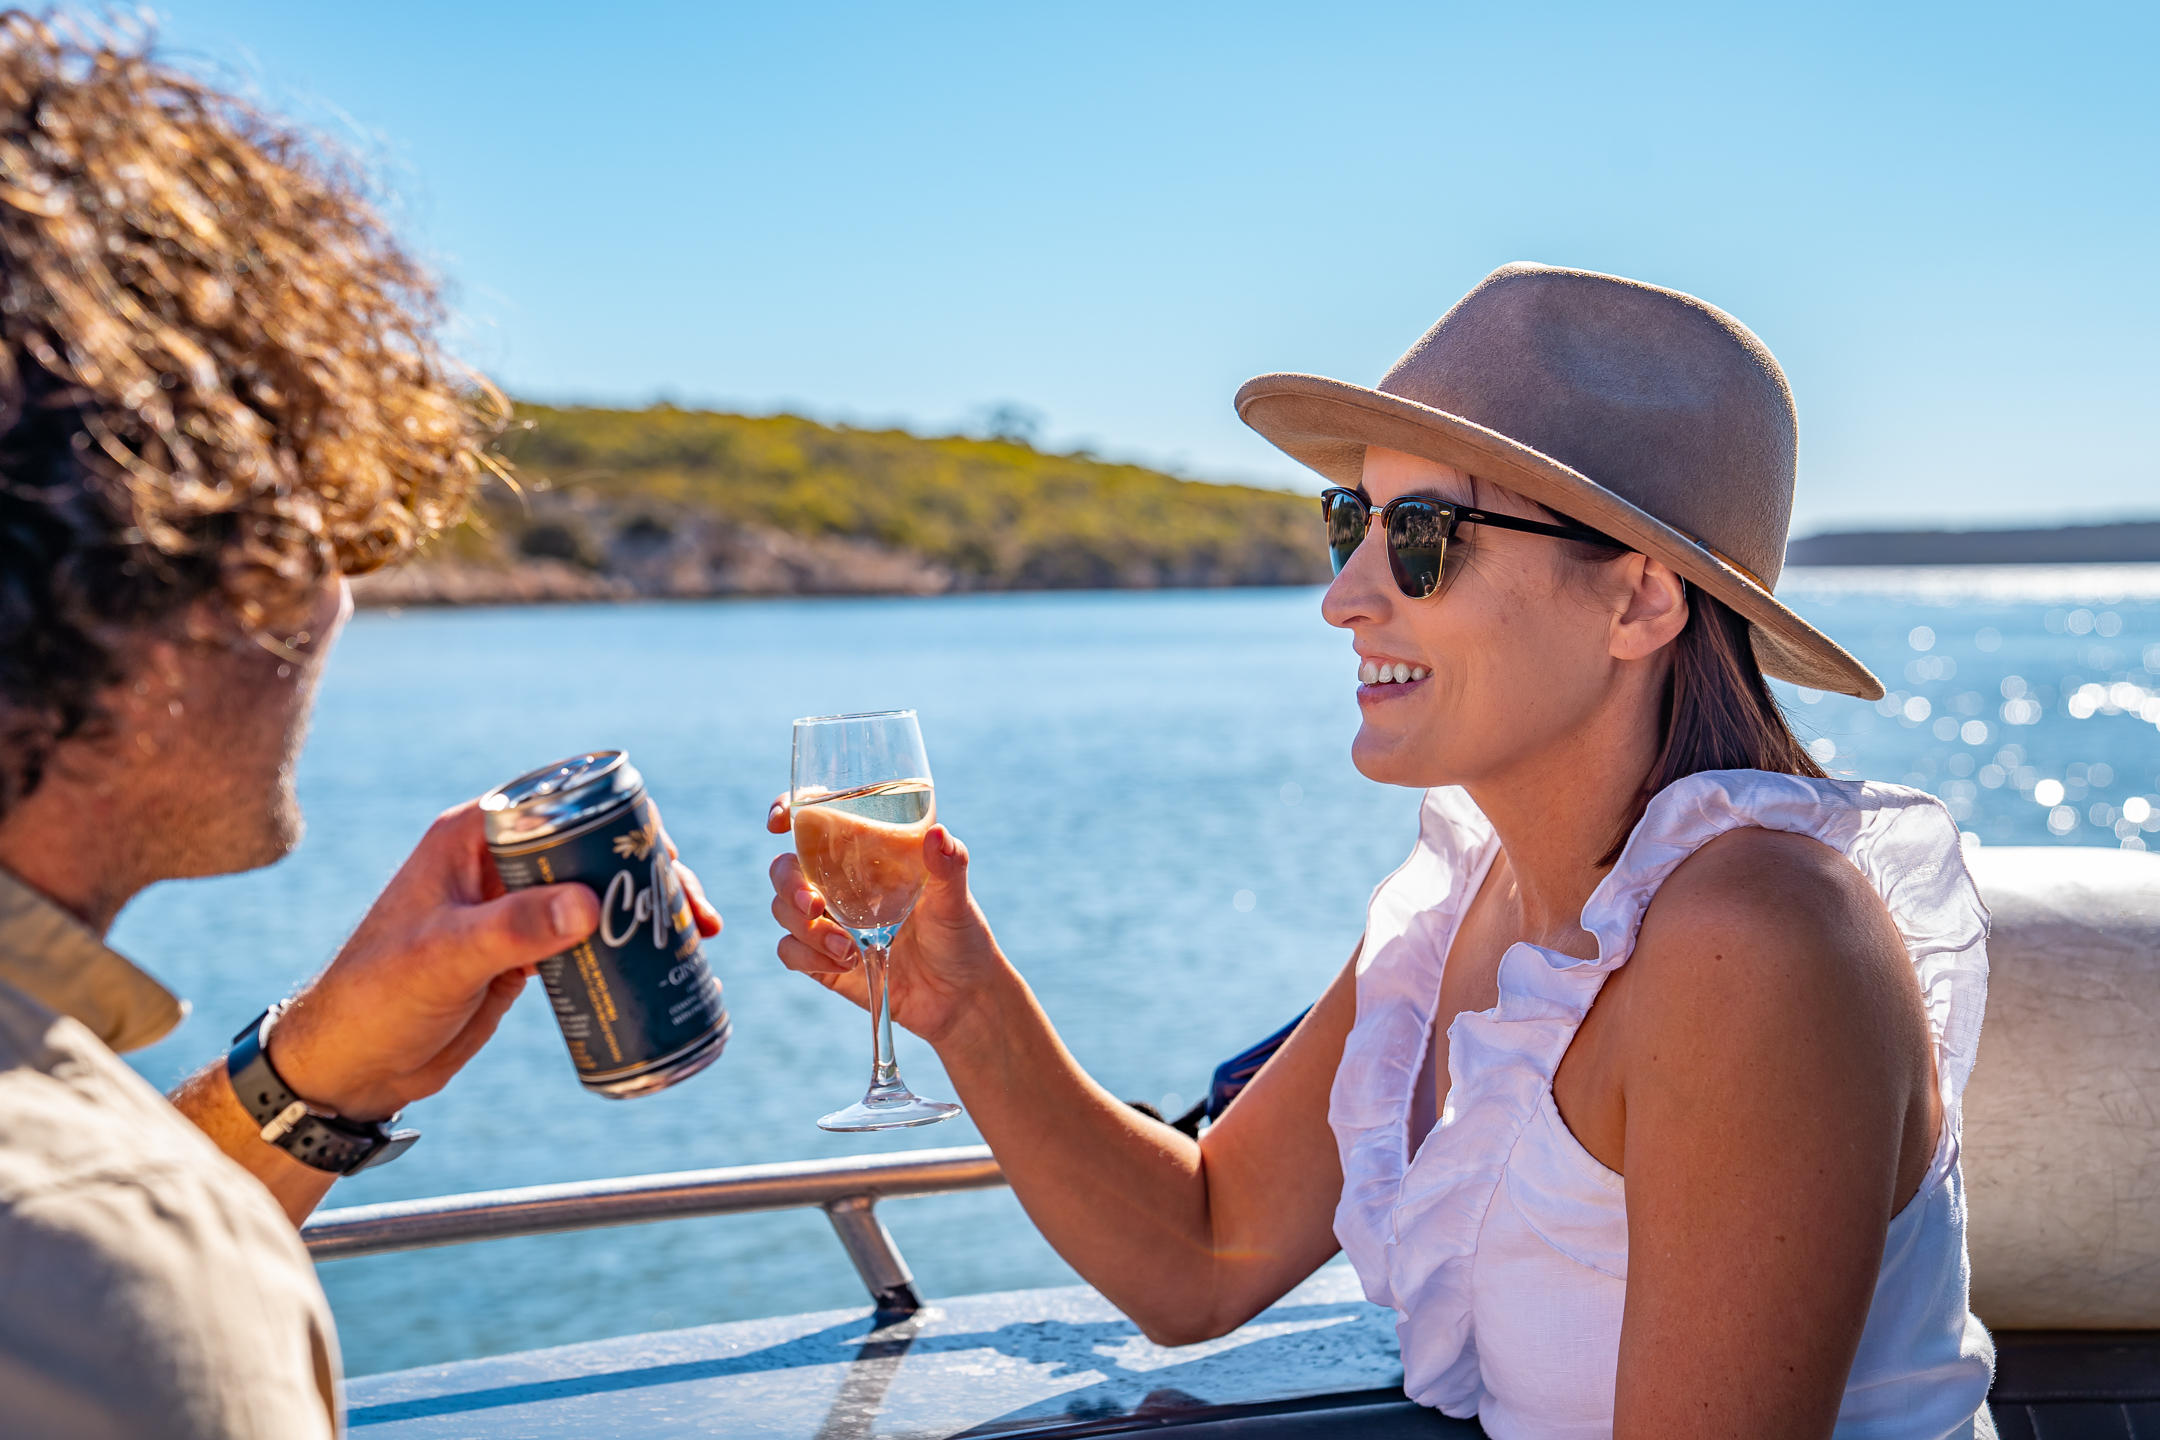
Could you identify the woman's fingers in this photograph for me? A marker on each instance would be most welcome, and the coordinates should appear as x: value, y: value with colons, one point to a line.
x: 812, y: 928
x: 777, y: 818
x: 813, y: 960
x: 813, y: 944
x: 793, y: 890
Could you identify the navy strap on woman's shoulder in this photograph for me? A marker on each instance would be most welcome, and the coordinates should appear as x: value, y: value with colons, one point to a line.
x: 1231, y: 1078
x: 1234, y: 1074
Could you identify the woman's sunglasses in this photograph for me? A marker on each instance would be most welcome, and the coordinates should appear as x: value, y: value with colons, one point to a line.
x: 1418, y: 530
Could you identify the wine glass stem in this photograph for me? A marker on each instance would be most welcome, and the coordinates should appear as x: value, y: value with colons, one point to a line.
x: 885, y: 1071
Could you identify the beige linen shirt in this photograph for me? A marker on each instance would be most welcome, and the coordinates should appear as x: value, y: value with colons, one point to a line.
x: 149, y: 1287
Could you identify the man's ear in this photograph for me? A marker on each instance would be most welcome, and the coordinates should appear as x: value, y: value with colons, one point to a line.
x: 1654, y: 613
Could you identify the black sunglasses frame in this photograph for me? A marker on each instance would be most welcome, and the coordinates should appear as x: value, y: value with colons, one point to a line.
x: 1447, y: 518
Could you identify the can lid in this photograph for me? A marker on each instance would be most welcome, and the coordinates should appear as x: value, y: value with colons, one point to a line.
x: 559, y: 796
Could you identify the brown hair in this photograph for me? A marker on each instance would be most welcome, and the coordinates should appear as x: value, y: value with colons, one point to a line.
x: 219, y: 376
x: 1717, y: 712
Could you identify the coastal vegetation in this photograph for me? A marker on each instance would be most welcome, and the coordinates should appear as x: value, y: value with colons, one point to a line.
x: 668, y: 501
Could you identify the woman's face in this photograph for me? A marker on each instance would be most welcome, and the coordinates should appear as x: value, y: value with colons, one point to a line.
x: 1517, y: 648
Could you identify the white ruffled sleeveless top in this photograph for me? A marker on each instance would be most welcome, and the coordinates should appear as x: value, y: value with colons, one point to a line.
x: 1502, y: 1245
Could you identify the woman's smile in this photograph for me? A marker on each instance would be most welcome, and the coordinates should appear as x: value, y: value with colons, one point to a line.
x: 1387, y: 679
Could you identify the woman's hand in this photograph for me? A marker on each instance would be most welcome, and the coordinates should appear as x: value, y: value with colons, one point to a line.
x: 944, y: 956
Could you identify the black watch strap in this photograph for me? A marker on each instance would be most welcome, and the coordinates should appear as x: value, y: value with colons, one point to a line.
x: 313, y: 1137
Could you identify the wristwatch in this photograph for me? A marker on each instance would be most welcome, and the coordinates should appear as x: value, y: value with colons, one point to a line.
x: 313, y: 1136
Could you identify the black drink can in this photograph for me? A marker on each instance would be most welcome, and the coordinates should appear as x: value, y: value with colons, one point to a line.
x: 638, y: 1005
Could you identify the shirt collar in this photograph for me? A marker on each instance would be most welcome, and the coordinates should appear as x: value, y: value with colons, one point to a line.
x: 53, y: 958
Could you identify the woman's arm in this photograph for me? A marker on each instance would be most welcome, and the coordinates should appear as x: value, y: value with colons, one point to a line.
x: 1189, y: 1239
x: 1779, y: 1092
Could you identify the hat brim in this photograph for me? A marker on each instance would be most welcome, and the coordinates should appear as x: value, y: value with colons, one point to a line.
x: 1326, y: 425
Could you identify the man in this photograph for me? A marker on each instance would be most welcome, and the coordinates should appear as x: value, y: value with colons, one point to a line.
x: 219, y: 396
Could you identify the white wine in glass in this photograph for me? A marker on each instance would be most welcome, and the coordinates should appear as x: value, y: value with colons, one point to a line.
x: 862, y: 801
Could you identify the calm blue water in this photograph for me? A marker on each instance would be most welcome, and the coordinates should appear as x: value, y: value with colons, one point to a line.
x: 1168, y: 836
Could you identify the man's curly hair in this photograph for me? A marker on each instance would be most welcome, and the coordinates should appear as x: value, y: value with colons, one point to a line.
x: 219, y: 373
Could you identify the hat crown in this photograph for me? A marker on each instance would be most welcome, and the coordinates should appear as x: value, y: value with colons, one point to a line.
x: 1658, y: 397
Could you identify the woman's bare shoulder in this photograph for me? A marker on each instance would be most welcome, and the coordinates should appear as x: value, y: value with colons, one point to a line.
x: 1772, y: 886
x: 1757, y: 922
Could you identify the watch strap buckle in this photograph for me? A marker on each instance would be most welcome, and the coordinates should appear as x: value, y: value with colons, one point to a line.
x: 399, y: 1142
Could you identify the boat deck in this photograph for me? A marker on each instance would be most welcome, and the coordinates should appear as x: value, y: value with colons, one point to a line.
x: 1023, y: 1363
x: 1063, y: 1363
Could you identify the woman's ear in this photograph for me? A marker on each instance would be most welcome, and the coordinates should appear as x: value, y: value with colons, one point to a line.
x: 1654, y: 612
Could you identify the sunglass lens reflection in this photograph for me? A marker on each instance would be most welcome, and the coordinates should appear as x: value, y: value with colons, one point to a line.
x: 1417, y: 546
x: 1345, y: 529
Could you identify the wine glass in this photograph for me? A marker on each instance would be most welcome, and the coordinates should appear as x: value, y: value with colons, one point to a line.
x: 862, y: 801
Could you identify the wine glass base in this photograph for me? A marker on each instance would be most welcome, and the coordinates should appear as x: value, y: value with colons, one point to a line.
x: 901, y: 1112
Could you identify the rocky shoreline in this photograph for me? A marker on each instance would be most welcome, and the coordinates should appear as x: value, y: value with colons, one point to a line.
x: 697, y: 557
x: 699, y: 560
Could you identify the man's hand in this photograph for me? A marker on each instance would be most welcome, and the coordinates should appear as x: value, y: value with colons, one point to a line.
x: 414, y: 994
x: 424, y: 981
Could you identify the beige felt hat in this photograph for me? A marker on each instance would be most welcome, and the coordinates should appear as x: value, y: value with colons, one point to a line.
x: 1641, y: 412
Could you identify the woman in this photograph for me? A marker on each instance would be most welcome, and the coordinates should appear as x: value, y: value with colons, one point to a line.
x: 1641, y: 935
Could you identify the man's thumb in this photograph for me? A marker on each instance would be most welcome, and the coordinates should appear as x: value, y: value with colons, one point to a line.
x: 526, y: 926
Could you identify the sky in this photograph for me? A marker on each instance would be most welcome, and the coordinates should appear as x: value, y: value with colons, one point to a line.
x: 1940, y: 218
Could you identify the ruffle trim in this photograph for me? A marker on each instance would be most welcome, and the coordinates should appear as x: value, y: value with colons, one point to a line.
x: 1410, y: 1224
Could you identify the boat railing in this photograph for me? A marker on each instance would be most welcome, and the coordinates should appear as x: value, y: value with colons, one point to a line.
x: 846, y: 1190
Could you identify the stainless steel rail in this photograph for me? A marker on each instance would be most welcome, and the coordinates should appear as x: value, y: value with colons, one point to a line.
x: 846, y: 1190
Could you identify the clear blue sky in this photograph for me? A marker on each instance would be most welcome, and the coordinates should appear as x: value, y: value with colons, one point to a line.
x: 1941, y: 218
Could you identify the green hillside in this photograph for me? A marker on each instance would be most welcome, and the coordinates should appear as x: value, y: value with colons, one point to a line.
x: 611, y: 490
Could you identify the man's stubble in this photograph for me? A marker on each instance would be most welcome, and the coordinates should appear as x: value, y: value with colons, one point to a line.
x: 227, y: 798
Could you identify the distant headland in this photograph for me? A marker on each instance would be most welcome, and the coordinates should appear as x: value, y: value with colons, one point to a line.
x: 672, y: 503
x: 665, y: 502
x: 2124, y: 543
